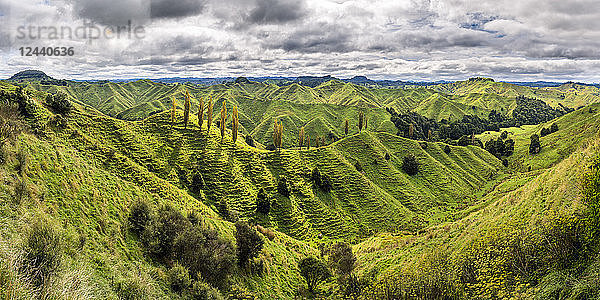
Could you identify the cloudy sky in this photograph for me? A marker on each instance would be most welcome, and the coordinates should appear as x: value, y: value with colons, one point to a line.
x: 405, y: 39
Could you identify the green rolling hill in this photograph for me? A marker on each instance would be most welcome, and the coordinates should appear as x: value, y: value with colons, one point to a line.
x: 569, y: 94
x: 463, y: 227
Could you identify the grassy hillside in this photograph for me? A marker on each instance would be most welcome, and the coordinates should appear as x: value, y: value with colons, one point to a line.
x: 534, y: 209
x: 463, y: 226
x: 575, y: 129
x: 82, y: 174
x: 569, y: 94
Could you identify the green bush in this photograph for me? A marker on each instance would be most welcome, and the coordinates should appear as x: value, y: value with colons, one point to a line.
x: 203, y: 291
x: 205, y: 254
x: 249, y: 140
x: 282, y: 186
x: 410, y: 165
x: 43, y: 252
x: 447, y: 149
x: 535, y: 146
x: 225, y: 211
x: 59, y: 103
x: 320, y: 180
x: 140, y: 216
x: 341, y: 258
x: 249, y: 242
x: 263, y: 204
x: 179, y: 278
x: 314, y: 271
x: 159, y: 235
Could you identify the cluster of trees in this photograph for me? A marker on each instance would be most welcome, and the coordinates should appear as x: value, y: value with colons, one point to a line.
x: 531, y: 111
x: 336, y: 259
x: 59, y: 103
x: 201, y: 261
x: 546, y: 131
x: 414, y: 126
x: 277, y: 134
x: 501, y: 147
x: 462, y: 132
x: 209, y: 107
x: 322, y: 181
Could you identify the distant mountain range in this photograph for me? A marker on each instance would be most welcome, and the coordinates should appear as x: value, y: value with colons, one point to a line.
x: 310, y: 81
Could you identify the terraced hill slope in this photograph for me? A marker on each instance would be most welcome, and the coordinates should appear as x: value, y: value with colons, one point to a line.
x: 549, y: 196
x: 569, y: 94
x: 84, y: 175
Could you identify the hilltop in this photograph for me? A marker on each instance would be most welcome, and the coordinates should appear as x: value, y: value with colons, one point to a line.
x: 30, y: 75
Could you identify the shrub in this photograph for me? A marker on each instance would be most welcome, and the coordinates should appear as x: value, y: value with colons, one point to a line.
x: 263, y: 204
x: 387, y: 156
x: 249, y: 242
x: 315, y: 176
x: 503, y: 135
x: 268, y: 233
x: 410, y: 165
x: 326, y: 185
x: 250, y: 141
x: 225, y: 211
x: 159, y: 235
x: 59, y: 103
x: 358, y: 166
x: 341, y: 258
x: 179, y: 278
x: 314, y: 271
x: 42, y: 252
x: 544, y: 132
x: 197, y: 182
x: 553, y: 128
x: 203, y: 291
x: 140, y: 216
x: 320, y: 180
x: 282, y: 186
x: 204, y: 253
x: 132, y: 288
x: 505, y: 162
x: 194, y: 218
x: 447, y: 149
x: 534, y: 145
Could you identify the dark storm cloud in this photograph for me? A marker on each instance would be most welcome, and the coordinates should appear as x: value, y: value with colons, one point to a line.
x: 111, y: 12
x: 176, y: 9
x: 307, y: 42
x: 119, y: 12
x: 276, y: 11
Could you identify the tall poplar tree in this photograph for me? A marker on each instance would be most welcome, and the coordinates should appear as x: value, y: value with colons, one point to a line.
x: 301, y: 137
x: 346, y: 127
x: 186, y: 109
x: 223, y: 118
x: 234, y: 124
